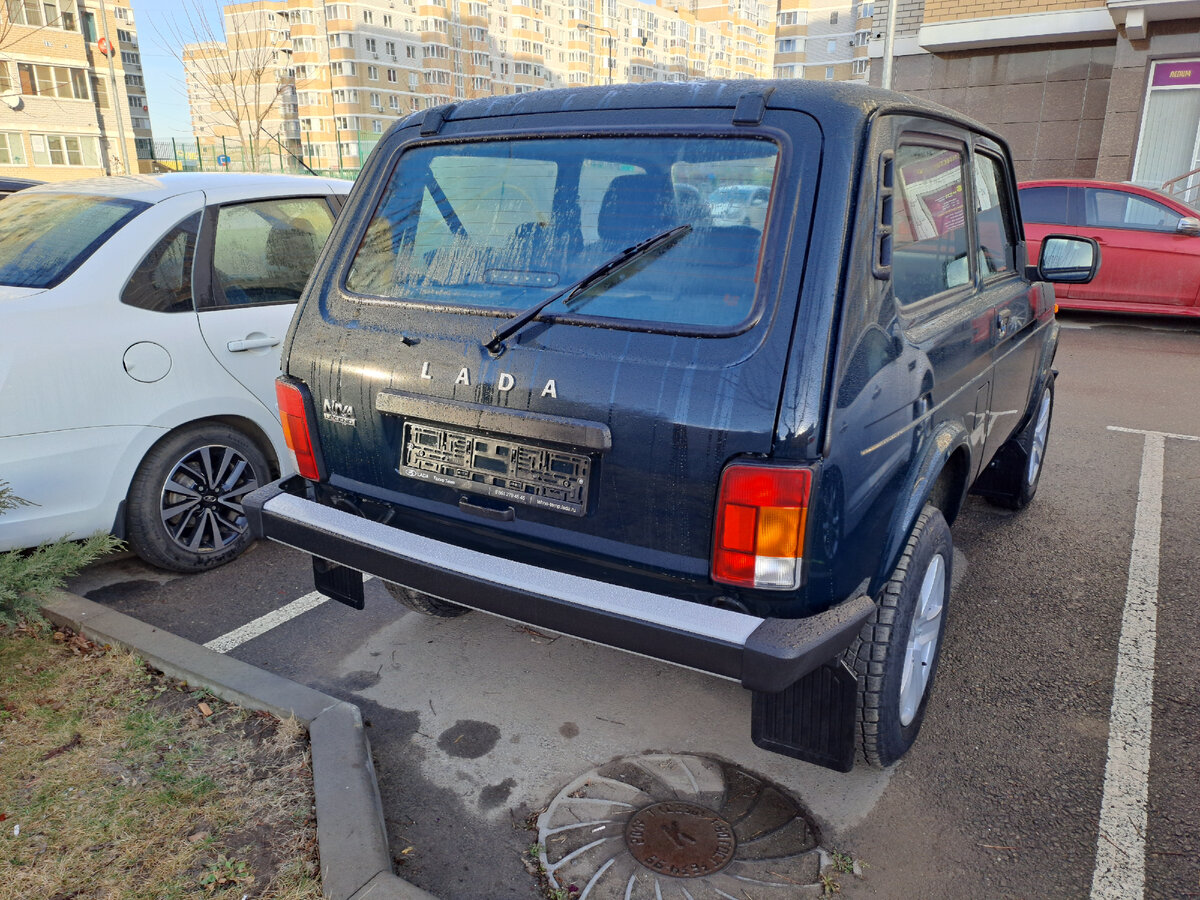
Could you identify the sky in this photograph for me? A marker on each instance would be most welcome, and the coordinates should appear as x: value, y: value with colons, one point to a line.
x: 166, y: 93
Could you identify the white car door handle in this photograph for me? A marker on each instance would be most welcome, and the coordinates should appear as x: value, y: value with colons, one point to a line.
x: 251, y: 344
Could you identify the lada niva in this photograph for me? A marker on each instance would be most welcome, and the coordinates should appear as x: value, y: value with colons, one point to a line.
x: 536, y: 374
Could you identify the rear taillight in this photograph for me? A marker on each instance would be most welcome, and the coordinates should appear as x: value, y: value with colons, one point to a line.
x: 297, y: 427
x: 761, y: 514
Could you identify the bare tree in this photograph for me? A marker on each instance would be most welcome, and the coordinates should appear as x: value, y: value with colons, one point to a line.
x: 230, y: 59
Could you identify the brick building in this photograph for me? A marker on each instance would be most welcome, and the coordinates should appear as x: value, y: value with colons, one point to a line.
x: 69, y: 109
x: 1079, y: 87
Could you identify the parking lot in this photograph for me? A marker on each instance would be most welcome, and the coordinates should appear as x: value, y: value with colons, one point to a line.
x: 477, y: 723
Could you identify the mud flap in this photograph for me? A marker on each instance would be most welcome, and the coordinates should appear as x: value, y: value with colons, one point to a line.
x: 812, y: 720
x: 340, y: 583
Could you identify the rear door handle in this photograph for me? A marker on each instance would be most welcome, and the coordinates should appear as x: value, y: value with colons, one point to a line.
x: 251, y: 344
x: 1003, y: 318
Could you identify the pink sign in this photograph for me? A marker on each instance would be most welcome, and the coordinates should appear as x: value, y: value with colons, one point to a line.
x: 1177, y: 73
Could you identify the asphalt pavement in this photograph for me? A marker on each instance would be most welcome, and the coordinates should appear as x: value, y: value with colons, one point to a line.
x: 477, y: 723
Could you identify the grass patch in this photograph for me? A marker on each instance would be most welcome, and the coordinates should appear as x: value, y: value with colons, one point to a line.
x: 118, y: 782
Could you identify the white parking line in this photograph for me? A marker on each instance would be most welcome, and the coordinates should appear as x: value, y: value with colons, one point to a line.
x: 1120, y: 872
x: 263, y: 624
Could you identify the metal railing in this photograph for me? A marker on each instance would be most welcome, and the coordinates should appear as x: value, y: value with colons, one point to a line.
x: 1188, y: 191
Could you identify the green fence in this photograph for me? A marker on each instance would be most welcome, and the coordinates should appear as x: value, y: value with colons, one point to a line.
x: 224, y: 155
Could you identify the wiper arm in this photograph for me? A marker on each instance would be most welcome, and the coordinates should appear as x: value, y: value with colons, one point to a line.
x: 621, y: 260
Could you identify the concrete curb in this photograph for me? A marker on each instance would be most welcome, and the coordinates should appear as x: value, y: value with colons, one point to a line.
x: 355, y: 861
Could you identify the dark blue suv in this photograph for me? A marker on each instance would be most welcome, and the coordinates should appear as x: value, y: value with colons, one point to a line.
x: 537, y: 374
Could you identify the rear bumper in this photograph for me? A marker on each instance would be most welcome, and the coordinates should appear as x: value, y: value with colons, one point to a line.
x: 763, y: 654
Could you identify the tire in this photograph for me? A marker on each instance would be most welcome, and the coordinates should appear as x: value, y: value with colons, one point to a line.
x: 197, y: 523
x: 425, y: 604
x: 1011, y: 479
x: 895, y: 656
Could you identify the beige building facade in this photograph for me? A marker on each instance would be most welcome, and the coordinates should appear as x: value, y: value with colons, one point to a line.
x: 72, y: 90
x: 345, y: 71
x: 823, y: 40
x: 1080, y: 88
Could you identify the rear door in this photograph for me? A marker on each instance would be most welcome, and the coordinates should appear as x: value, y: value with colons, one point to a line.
x: 597, y: 432
x: 255, y: 258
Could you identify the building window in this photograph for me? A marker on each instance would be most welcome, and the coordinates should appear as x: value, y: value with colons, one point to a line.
x: 377, y: 126
x: 391, y: 75
x: 370, y: 44
x: 372, y: 73
x: 829, y: 73
x: 368, y: 16
x: 830, y: 46
x: 11, y: 152
x: 389, y: 47
x: 387, y: 20
x: 130, y: 58
x: 393, y: 102
x: 376, y: 101
x: 833, y: 17
x: 64, y: 150
x: 53, y: 81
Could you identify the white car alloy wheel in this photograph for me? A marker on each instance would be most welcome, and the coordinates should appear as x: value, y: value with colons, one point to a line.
x: 1037, y: 448
x: 923, y: 638
x: 201, y: 501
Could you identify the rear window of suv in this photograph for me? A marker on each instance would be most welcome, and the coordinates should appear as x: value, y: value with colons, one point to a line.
x: 45, y: 237
x: 494, y: 226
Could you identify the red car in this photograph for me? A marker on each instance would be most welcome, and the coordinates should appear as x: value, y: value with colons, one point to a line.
x: 1149, y: 243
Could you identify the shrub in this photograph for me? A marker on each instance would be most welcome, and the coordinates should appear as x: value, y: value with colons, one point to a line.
x: 28, y: 575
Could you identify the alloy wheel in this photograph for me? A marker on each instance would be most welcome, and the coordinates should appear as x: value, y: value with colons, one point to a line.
x: 923, y: 637
x: 1037, y: 447
x: 201, y: 501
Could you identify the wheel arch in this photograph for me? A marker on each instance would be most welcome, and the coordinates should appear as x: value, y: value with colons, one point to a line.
x: 242, y: 424
x: 940, y: 477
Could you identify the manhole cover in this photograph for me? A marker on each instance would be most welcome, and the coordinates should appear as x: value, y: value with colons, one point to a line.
x: 680, y: 839
x: 679, y: 827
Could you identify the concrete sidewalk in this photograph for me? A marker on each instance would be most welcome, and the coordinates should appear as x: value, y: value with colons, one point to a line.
x: 355, y: 863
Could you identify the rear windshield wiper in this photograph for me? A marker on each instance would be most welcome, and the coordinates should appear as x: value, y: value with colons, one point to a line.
x: 626, y: 257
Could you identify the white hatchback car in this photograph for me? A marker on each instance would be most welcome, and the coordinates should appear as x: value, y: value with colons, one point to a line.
x: 140, y: 324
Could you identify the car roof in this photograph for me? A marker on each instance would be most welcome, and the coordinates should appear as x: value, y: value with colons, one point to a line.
x: 222, y: 185
x: 836, y: 102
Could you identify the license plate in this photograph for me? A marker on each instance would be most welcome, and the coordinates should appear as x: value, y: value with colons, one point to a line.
x: 496, y: 467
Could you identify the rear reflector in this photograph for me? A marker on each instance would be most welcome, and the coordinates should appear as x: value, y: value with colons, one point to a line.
x: 761, y: 514
x: 293, y: 414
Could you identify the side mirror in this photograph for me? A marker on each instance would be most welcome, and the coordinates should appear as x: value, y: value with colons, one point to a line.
x: 1068, y: 260
x: 1188, y: 225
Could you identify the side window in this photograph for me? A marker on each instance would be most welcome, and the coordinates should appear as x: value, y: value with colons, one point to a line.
x: 263, y: 252
x: 1117, y: 209
x: 997, y: 251
x: 930, y: 247
x: 162, y: 282
x: 1044, y: 205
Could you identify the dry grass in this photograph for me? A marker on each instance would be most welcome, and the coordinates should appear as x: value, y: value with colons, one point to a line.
x: 118, y: 783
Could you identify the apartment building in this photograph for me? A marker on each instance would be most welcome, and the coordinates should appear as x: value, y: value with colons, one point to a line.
x: 72, y: 90
x: 823, y: 40
x: 1083, y: 88
x: 345, y: 71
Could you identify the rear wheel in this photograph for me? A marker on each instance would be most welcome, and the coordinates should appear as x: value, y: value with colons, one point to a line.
x: 423, y: 603
x: 184, y: 509
x: 896, y: 654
